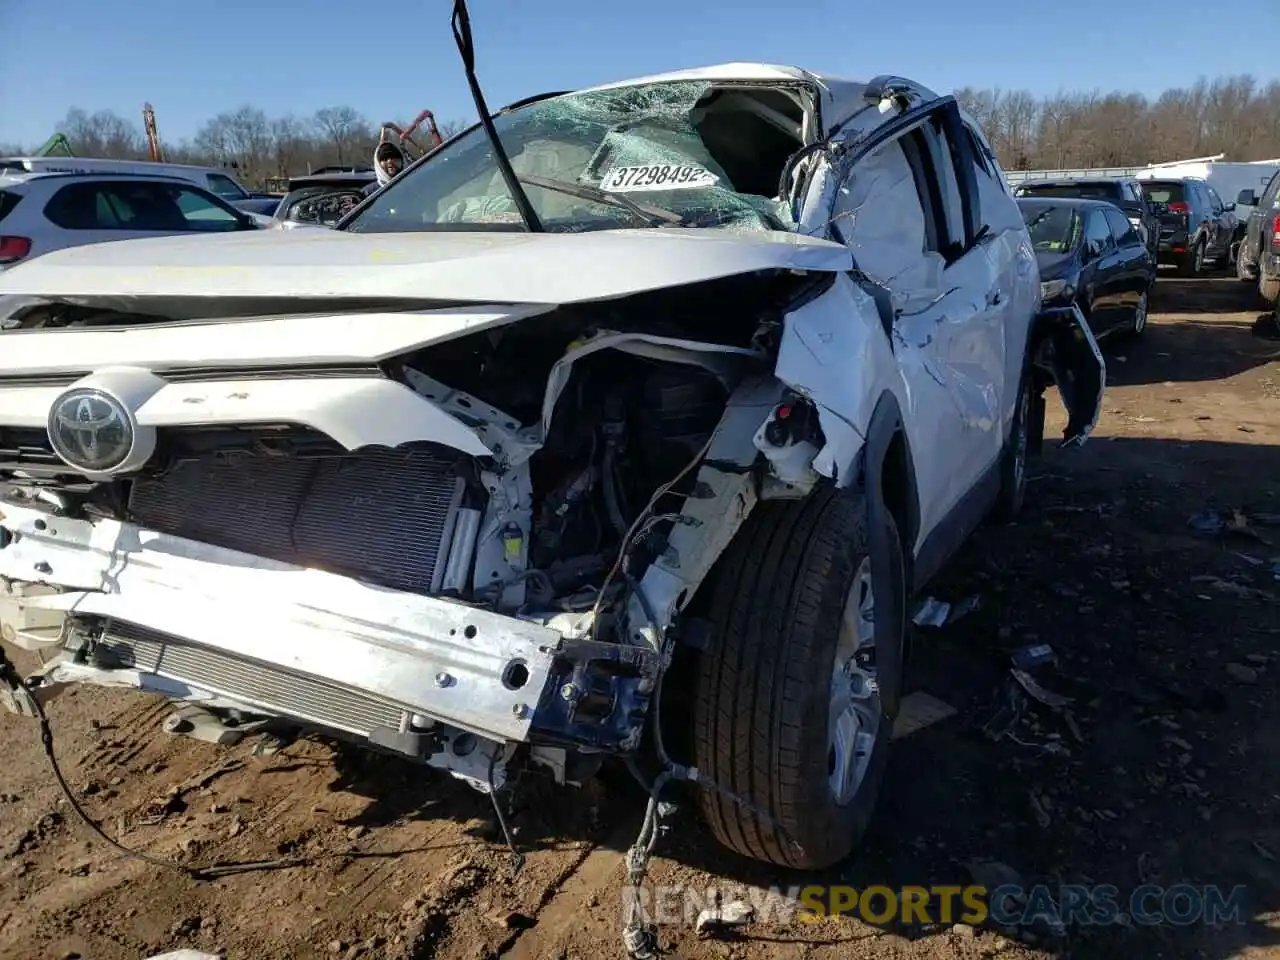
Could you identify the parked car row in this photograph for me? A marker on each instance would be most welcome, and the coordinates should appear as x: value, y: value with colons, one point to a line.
x: 1183, y: 221
x: 1092, y: 256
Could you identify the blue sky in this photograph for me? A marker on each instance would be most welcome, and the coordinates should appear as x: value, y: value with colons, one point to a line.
x: 391, y: 58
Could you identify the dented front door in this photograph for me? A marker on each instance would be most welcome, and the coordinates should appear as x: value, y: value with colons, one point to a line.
x: 877, y: 211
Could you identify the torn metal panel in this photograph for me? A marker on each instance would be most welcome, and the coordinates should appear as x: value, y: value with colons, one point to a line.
x: 834, y: 353
x: 1078, y: 368
x: 724, y: 496
x: 725, y: 362
x: 321, y: 625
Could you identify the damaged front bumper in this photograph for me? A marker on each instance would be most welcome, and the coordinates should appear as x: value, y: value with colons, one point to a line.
x: 112, y: 603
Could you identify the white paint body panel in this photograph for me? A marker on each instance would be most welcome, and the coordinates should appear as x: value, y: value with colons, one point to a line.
x: 315, y: 623
x: 472, y: 267
x: 278, y: 341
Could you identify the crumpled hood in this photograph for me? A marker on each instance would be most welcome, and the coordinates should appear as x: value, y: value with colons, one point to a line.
x: 443, y: 266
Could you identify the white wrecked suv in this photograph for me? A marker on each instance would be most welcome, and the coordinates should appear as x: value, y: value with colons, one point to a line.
x: 645, y: 410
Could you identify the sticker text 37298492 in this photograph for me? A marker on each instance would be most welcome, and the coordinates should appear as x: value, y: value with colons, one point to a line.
x: 658, y: 176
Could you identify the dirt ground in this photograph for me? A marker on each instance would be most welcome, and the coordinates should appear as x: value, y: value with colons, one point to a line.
x: 1166, y: 636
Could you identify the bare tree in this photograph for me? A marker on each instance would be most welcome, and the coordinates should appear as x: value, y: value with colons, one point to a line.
x: 291, y: 140
x: 1234, y: 115
x: 345, y: 128
x: 103, y: 133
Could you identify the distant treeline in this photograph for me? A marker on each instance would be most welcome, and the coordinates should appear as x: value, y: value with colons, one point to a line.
x: 256, y: 145
x: 1231, y: 115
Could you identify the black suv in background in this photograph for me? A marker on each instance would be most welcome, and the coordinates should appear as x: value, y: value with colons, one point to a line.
x: 1259, y: 257
x: 1196, y: 227
x: 1125, y: 192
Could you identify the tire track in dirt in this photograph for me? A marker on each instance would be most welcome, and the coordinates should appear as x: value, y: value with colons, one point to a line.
x: 138, y: 723
x: 564, y: 901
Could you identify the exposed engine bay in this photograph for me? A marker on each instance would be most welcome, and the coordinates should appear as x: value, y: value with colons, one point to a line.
x: 598, y: 419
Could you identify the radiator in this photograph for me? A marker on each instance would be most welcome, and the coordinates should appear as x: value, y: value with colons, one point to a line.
x: 255, y: 684
x: 384, y: 516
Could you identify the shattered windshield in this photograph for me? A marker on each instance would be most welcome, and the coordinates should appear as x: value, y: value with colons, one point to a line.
x: 631, y: 157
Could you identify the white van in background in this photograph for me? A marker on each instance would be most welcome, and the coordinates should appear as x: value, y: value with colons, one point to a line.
x: 210, y: 178
x: 1227, y: 179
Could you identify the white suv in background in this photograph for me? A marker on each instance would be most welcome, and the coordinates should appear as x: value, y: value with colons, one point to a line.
x: 44, y: 212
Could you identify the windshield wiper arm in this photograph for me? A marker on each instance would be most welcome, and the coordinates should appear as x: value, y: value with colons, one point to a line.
x: 656, y: 216
x: 461, y: 24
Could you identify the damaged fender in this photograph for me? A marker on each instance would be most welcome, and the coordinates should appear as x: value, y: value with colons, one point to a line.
x: 1064, y: 346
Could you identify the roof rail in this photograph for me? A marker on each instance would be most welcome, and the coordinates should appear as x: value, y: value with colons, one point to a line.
x: 1178, y: 163
x: 889, y: 87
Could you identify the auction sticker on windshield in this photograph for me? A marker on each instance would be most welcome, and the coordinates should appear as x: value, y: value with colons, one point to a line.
x: 658, y: 176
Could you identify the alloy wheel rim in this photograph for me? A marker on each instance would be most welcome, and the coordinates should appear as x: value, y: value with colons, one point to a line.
x: 854, y: 712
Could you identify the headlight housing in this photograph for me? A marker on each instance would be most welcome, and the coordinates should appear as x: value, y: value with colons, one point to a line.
x: 1060, y: 289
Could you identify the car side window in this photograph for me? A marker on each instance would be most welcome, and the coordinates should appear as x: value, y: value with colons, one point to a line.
x: 225, y: 187
x: 1215, y: 201
x: 202, y: 213
x: 1122, y: 230
x: 138, y: 205
x: 1097, y: 231
x: 981, y: 159
x: 943, y: 156
x: 881, y: 214
x: 82, y: 206
x: 1271, y: 196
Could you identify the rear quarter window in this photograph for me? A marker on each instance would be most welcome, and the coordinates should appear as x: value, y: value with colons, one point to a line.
x: 8, y: 200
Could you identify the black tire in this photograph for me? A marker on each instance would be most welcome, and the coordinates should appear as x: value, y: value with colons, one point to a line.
x: 1013, y: 463
x: 1241, y: 273
x: 1192, y: 263
x: 760, y: 731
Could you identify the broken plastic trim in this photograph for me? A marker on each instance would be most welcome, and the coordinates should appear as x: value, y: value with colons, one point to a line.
x: 461, y: 23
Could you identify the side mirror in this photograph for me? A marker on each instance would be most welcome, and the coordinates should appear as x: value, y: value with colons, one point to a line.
x: 1228, y: 207
x: 1092, y: 250
x: 1246, y: 198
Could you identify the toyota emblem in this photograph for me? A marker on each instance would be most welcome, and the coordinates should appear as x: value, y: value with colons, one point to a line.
x: 91, y: 430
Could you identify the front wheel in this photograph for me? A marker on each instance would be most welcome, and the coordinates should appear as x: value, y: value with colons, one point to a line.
x: 1026, y: 429
x: 1139, y: 322
x: 796, y: 699
x: 1193, y: 261
x: 1242, y: 272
